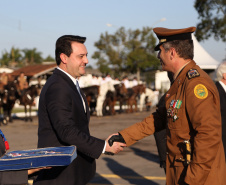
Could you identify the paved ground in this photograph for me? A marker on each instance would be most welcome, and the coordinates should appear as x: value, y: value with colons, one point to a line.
x: 138, y: 164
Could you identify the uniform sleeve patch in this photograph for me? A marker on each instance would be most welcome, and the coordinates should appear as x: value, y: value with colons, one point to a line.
x: 200, y: 91
x: 192, y: 73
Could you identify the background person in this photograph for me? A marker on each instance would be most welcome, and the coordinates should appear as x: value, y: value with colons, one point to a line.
x: 64, y: 117
x: 4, y: 78
x: 108, y: 78
x: 125, y: 80
x: 23, y: 84
x: 221, y: 86
x: 135, y: 82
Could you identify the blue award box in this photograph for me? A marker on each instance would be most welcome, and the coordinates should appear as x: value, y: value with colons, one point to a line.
x: 36, y: 158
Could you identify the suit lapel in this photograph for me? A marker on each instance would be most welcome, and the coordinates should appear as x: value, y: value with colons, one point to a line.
x: 73, y: 86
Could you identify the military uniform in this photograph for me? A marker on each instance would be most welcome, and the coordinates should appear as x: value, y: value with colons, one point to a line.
x: 192, y: 113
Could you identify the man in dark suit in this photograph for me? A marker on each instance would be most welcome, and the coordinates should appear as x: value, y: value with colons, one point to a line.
x: 221, y: 86
x: 64, y: 117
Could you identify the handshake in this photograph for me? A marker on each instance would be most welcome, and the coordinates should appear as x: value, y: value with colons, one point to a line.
x: 115, y: 144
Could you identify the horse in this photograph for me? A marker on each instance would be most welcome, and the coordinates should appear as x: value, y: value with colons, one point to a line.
x: 133, y: 94
x: 91, y: 93
x: 27, y: 99
x: 11, y: 96
x: 120, y: 96
x: 147, y: 99
x: 108, y: 104
x: 104, y: 88
x: 3, y: 100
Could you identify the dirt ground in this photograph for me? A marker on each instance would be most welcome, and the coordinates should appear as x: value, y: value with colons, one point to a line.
x: 138, y: 164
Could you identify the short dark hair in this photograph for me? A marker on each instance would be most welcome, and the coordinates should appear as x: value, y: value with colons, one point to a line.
x: 63, y: 45
x: 184, y: 48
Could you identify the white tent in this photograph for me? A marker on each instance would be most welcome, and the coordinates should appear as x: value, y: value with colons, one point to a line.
x: 202, y: 58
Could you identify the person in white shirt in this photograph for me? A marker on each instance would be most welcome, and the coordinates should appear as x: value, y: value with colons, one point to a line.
x: 135, y: 82
x: 126, y: 82
x: 94, y: 80
x: 108, y: 78
x: 103, y: 80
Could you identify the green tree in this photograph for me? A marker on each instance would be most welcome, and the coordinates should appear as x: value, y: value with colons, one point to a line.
x: 48, y: 59
x: 12, y: 58
x: 213, y: 19
x: 126, y: 51
x: 32, y: 56
x: 5, y: 59
x: 15, y: 56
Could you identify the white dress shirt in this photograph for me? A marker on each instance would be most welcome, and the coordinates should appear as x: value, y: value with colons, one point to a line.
x: 75, y: 82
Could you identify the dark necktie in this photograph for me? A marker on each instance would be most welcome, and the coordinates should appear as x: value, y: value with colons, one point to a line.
x: 78, y: 88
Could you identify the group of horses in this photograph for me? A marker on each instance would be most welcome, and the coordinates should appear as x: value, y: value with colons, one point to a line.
x: 102, y: 99
x: 10, y: 93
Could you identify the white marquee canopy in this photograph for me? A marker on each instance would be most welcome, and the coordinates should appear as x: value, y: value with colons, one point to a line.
x: 202, y: 58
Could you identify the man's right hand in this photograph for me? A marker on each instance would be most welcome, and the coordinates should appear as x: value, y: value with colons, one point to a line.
x: 116, y: 143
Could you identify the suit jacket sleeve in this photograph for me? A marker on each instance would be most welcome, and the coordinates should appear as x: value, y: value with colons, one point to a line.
x: 69, y: 121
x: 14, y: 177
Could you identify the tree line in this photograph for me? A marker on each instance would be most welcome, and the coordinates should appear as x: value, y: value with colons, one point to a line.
x: 126, y: 51
x: 21, y: 57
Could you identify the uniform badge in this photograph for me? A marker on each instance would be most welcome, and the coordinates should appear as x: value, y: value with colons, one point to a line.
x: 167, y: 95
x: 200, y: 91
x: 192, y: 73
x: 172, y: 112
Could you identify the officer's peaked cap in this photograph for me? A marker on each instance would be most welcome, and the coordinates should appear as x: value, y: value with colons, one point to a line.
x: 165, y: 34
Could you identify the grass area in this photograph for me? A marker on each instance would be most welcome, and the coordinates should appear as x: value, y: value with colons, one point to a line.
x: 17, y: 110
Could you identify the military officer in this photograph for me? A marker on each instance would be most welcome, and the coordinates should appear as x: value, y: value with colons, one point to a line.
x: 195, y: 153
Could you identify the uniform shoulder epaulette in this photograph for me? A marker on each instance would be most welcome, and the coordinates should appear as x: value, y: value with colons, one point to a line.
x: 192, y: 73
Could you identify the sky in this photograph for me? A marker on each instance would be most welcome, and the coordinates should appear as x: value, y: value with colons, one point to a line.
x: 28, y: 24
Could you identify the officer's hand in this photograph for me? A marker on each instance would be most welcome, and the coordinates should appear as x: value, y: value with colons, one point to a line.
x: 116, y: 146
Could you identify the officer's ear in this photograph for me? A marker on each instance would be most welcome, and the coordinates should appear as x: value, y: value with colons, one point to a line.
x: 172, y: 53
x: 63, y: 58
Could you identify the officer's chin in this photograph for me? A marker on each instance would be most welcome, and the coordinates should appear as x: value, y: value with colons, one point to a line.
x: 163, y: 66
